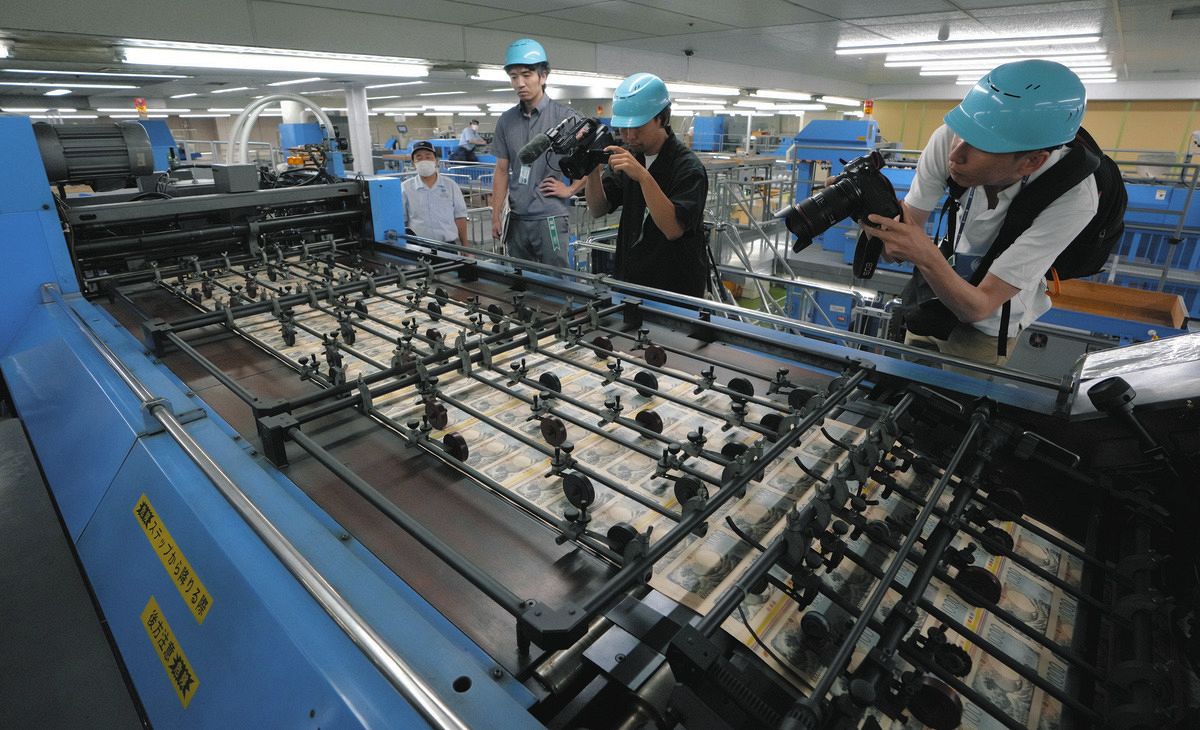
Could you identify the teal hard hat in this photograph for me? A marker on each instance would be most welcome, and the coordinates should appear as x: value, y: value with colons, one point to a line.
x: 1021, y: 106
x: 637, y: 100
x: 524, y: 52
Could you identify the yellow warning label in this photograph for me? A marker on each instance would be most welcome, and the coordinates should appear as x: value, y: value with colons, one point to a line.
x: 166, y: 647
x: 179, y: 570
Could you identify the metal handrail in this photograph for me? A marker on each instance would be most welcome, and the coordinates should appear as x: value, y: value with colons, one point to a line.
x: 399, y: 673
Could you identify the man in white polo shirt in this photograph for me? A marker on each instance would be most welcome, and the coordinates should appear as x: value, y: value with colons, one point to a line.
x: 1009, y: 129
x: 434, y: 203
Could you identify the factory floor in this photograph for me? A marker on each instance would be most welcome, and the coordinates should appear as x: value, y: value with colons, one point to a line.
x: 60, y: 670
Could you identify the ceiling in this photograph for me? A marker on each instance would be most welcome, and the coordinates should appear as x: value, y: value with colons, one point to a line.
x: 782, y: 44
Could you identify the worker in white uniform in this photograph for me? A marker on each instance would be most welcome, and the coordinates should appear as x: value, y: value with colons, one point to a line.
x: 434, y: 203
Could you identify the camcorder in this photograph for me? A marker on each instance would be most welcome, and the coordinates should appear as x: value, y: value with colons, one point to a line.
x: 861, y: 189
x: 581, y: 143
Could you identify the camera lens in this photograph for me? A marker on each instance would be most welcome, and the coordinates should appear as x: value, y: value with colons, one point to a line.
x: 813, y: 216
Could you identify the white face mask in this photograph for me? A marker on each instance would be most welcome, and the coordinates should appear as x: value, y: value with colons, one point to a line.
x: 426, y: 168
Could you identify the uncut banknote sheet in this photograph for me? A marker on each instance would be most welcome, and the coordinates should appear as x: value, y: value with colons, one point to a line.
x: 701, y: 567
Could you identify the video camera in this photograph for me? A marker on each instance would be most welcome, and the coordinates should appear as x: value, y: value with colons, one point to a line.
x: 581, y: 143
x: 857, y: 192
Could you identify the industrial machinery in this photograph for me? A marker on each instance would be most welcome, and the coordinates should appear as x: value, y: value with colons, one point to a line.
x: 321, y: 475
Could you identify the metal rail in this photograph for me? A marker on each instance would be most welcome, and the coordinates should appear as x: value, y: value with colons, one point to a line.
x: 400, y: 674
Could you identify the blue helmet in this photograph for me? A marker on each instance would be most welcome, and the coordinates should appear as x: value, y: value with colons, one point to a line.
x: 1021, y: 106
x: 524, y: 52
x: 637, y: 100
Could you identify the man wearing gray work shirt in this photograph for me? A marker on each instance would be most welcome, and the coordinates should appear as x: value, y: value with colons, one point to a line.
x: 538, y: 199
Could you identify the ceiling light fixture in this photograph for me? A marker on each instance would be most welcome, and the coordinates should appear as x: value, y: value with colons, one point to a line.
x: 398, y: 83
x: 64, y: 116
x: 837, y: 100
x: 127, y: 110
x: 4, y: 50
x: 93, y: 73
x: 675, y: 88
x: 233, y: 89
x: 184, y: 96
x: 253, y: 58
x: 204, y: 116
x: 308, y: 80
x: 441, y: 93
x: 992, y: 59
x: 57, y: 92
x: 790, y: 95
x: 66, y: 85
x: 460, y: 108
x: 870, y: 47
x: 25, y: 109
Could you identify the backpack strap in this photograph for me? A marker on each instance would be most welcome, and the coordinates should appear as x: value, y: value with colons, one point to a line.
x: 1075, y: 167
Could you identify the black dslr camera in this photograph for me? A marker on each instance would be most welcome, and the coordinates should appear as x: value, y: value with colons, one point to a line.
x: 581, y: 143
x: 859, y: 191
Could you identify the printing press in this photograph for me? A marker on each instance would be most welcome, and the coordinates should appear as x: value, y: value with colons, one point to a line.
x: 360, y: 479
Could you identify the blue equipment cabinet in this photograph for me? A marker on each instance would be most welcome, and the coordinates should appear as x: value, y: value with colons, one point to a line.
x: 200, y: 596
x: 708, y: 133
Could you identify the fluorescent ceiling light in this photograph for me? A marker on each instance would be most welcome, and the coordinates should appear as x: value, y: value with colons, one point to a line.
x: 233, y: 89
x: 868, y: 47
x: 801, y: 108
x: 506, y: 88
x: 224, y: 109
x: 495, y: 114
x: 26, y: 109
x: 686, y: 100
x: 399, y: 109
x: 994, y: 60
x: 441, y: 93
x: 127, y: 110
x: 791, y: 95
x: 3, y: 50
x: 702, y: 89
x: 1001, y: 57
x: 321, y: 92
x: 93, y: 73
x: 57, y: 92
x: 252, y: 58
x: 982, y: 67
x: 490, y: 74
x: 986, y: 69
x: 755, y: 104
x: 184, y: 96
x: 467, y: 114
x: 578, y: 79
x: 308, y: 80
x: 333, y: 108
x: 136, y: 116
x: 377, y: 98
x: 682, y: 112
x: 463, y: 108
x: 838, y: 100
x: 204, y: 116
x: 398, y: 83
x: 66, y: 85
x: 63, y: 116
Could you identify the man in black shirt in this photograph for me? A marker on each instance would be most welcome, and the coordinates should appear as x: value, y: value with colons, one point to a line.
x: 660, y: 186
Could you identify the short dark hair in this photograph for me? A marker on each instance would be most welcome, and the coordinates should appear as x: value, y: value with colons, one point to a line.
x: 474, y: 121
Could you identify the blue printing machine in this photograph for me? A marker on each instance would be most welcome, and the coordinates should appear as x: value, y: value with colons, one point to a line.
x: 139, y: 510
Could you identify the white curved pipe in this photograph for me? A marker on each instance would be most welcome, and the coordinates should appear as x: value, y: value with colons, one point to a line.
x: 240, y: 136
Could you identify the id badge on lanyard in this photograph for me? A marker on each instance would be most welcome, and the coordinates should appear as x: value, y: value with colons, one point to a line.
x: 523, y: 177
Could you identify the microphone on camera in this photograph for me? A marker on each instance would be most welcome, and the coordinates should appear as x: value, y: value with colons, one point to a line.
x: 534, y: 148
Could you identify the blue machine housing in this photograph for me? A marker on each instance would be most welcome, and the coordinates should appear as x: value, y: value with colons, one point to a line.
x: 266, y: 654
x: 162, y: 143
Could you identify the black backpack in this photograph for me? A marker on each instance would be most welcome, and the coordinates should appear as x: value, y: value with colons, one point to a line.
x: 1087, y: 254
